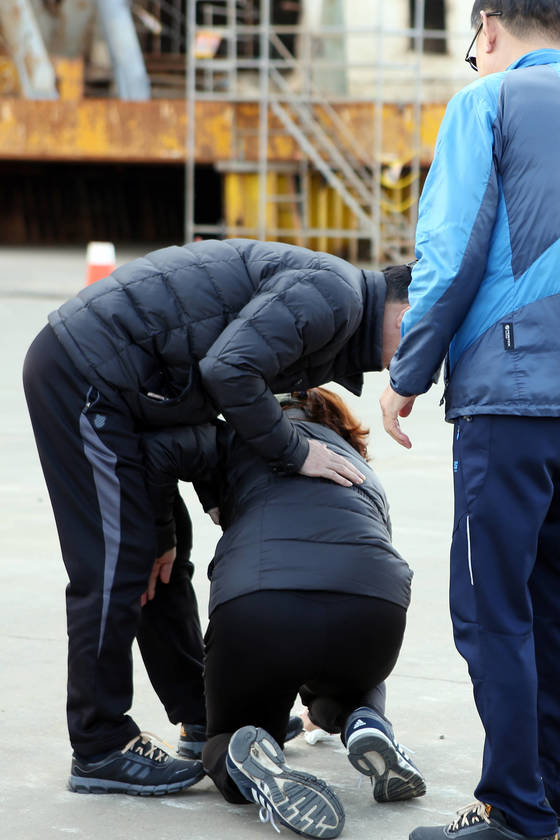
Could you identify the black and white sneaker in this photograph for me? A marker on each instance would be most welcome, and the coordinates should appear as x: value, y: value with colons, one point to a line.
x: 297, y: 800
x: 475, y: 822
x: 140, y: 768
x: 373, y: 751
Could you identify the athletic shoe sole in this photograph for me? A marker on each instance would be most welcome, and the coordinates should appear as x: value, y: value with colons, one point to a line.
x: 79, y: 784
x: 303, y: 803
x: 373, y: 754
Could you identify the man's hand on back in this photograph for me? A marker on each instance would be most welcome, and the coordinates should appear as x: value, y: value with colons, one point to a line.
x: 393, y: 406
x: 322, y: 462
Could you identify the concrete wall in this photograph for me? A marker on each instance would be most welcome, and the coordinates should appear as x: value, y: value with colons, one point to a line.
x: 391, y: 62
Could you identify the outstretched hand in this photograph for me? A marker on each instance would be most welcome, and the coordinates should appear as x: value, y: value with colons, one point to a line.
x: 393, y: 406
x: 322, y: 462
x: 162, y: 569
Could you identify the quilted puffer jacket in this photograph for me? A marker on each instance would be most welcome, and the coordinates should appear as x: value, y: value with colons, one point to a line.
x: 214, y: 327
x: 283, y: 531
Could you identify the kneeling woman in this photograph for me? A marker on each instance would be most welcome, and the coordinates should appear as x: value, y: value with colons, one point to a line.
x: 307, y: 595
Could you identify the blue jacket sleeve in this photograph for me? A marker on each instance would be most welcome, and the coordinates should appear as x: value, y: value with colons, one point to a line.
x: 456, y: 218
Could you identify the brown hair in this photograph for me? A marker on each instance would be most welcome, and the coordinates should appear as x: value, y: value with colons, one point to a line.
x: 325, y: 407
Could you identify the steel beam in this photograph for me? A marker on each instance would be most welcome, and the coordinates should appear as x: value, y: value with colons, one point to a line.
x: 129, y: 69
x: 26, y: 47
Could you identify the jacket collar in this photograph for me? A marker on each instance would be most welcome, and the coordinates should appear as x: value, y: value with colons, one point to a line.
x: 536, y: 57
x: 363, y: 351
x: 295, y: 413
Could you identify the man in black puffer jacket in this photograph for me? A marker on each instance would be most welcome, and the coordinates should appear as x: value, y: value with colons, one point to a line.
x: 178, y: 337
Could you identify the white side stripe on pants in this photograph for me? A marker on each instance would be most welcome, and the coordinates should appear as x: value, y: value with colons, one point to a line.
x: 469, y: 556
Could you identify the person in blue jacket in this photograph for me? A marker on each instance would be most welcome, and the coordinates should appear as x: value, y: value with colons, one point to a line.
x: 485, y: 294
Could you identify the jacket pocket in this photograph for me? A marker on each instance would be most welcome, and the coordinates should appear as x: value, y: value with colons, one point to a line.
x: 190, y: 406
x: 471, y: 450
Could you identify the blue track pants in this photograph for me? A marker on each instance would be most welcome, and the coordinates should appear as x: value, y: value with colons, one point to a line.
x: 505, y: 607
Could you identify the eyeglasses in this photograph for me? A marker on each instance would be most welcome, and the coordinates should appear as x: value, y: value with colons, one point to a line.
x: 471, y: 59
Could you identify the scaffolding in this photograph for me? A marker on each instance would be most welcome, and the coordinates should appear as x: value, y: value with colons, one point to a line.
x: 316, y: 131
x: 341, y: 193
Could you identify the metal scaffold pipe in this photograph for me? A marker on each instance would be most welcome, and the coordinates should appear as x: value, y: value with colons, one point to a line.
x: 126, y: 56
x: 264, y: 90
x: 26, y: 47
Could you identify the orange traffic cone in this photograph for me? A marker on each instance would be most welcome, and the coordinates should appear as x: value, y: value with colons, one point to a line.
x: 100, y: 260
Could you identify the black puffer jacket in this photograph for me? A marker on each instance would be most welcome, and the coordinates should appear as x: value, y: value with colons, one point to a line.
x: 284, y: 531
x: 188, y: 332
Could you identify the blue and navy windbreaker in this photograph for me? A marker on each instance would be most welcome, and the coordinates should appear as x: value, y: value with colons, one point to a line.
x: 486, y: 288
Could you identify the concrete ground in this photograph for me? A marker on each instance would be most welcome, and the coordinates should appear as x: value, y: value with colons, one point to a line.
x: 430, y: 699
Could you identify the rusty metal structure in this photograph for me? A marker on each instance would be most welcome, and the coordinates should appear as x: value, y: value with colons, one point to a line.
x: 255, y: 102
x: 339, y: 191
x: 25, y: 43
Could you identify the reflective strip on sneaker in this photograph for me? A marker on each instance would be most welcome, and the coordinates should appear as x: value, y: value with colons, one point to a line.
x: 297, y: 800
x: 376, y: 755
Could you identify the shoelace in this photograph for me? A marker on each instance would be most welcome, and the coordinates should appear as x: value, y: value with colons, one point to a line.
x: 142, y: 745
x: 473, y: 814
x: 266, y: 813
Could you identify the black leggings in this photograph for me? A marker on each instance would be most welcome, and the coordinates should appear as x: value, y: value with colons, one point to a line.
x: 169, y: 634
x: 262, y: 648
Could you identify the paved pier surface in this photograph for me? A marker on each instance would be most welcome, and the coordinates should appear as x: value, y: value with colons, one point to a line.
x: 430, y: 700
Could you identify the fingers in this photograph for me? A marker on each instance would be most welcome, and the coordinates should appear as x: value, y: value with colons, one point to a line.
x: 393, y: 406
x: 337, y: 478
x: 152, y: 583
x: 322, y: 462
x: 344, y: 467
x: 393, y: 428
x: 346, y: 470
x: 161, y: 569
x: 165, y: 572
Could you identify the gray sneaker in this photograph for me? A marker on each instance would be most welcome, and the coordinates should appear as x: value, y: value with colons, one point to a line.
x: 295, y: 799
x: 475, y: 822
x: 140, y: 768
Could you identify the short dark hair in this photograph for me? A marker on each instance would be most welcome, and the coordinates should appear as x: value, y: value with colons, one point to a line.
x: 398, y: 279
x: 518, y: 16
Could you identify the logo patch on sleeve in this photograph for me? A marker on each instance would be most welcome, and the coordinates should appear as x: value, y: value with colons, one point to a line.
x: 509, y: 343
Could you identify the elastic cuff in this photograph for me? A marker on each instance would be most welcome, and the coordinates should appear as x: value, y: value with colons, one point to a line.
x: 295, y: 461
x: 398, y: 390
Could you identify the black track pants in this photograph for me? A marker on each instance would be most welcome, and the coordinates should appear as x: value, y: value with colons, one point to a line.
x: 170, y: 638
x: 261, y: 648
x: 90, y: 451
